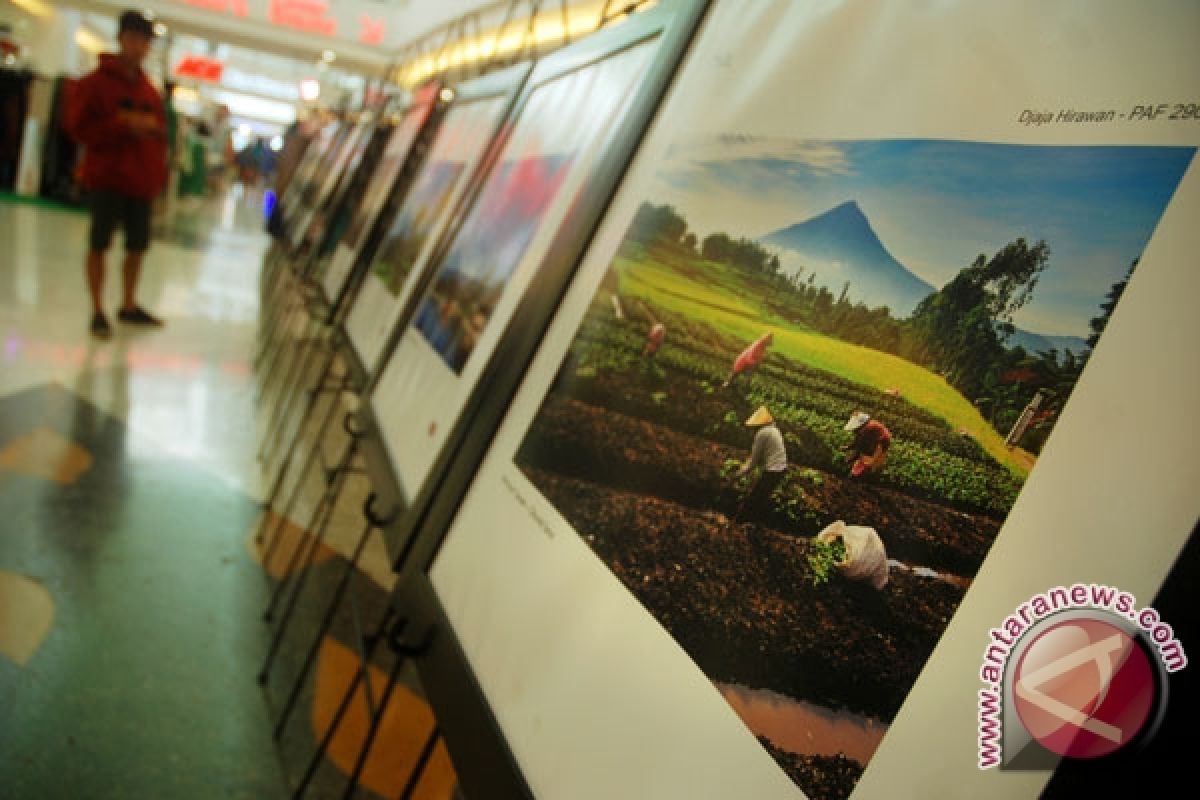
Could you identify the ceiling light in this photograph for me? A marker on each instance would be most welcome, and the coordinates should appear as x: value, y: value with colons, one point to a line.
x: 310, y: 90
x: 36, y: 7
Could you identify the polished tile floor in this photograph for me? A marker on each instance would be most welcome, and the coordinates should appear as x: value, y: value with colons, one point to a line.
x: 187, y: 390
x: 130, y: 629
x: 131, y: 593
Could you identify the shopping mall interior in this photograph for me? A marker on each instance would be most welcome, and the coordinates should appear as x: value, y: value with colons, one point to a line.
x: 597, y: 398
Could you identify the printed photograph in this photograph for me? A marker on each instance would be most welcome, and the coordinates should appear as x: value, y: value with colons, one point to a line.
x: 398, y: 252
x: 461, y: 136
x: 811, y: 385
x: 564, y: 117
x: 383, y: 178
x: 482, y: 259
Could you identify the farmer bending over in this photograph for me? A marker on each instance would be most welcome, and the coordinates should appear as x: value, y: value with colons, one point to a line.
x: 870, y: 446
x: 654, y: 340
x: 750, y: 358
x: 768, y: 453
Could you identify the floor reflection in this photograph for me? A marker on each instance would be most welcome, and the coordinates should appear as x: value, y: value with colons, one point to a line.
x: 186, y: 388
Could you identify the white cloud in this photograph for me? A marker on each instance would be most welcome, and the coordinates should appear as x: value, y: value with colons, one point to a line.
x: 823, y: 158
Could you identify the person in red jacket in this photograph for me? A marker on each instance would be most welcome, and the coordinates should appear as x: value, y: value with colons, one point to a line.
x: 870, y: 446
x: 749, y: 359
x: 654, y: 340
x: 118, y: 116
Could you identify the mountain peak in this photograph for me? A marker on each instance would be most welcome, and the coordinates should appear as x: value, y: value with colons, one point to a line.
x: 845, y: 220
x: 839, y: 246
x: 850, y: 206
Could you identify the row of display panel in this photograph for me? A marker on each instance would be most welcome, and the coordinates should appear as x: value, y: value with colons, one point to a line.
x: 716, y: 369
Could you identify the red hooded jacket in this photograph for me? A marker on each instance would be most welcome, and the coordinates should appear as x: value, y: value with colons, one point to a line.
x: 753, y: 355
x: 115, y: 157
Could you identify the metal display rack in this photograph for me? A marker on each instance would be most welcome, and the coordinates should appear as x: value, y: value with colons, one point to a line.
x: 413, y: 624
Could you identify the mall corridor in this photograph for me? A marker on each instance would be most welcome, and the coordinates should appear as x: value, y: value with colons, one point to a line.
x: 598, y: 400
x: 130, y: 627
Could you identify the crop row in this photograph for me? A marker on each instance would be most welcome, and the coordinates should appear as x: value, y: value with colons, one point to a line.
x: 607, y: 371
x: 581, y: 441
x: 609, y: 344
x: 915, y: 467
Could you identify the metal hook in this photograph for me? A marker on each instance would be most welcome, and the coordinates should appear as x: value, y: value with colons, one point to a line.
x: 373, y: 517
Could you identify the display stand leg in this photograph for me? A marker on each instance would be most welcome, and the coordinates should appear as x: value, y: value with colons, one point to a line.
x: 297, y: 587
x: 373, y: 729
x: 342, y: 466
x: 276, y: 256
x: 274, y: 349
x: 324, y: 514
x: 360, y: 678
x: 270, y: 271
x: 276, y: 373
x: 292, y: 301
x: 286, y: 283
x: 285, y: 388
x: 289, y: 401
x: 326, y: 623
x: 285, y: 464
x: 278, y: 306
x: 418, y: 770
x: 266, y: 283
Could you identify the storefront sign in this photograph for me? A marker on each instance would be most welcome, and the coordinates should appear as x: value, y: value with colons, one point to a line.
x: 236, y: 7
x: 307, y: 16
x: 200, y: 68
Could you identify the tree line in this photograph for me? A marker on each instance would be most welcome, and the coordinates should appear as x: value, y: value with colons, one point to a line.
x: 958, y: 331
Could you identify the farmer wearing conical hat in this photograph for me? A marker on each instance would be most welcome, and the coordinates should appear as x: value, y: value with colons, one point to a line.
x: 869, y: 448
x: 767, y: 453
x: 750, y: 358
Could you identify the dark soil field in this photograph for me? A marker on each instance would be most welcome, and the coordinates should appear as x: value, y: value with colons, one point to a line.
x: 639, y: 457
x: 740, y: 599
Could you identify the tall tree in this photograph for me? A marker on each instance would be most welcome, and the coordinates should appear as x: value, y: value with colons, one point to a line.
x: 1098, y: 324
x: 657, y: 222
x: 961, y: 326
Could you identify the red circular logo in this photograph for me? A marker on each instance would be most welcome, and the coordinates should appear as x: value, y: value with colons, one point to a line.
x: 1084, y: 688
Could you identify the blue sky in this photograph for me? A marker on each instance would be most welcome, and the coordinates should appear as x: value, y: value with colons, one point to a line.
x: 936, y: 205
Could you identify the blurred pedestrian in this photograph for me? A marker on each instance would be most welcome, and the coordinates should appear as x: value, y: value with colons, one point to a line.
x: 119, y: 118
x: 220, y: 161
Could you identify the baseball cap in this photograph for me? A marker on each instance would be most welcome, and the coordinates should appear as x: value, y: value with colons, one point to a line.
x: 136, y: 22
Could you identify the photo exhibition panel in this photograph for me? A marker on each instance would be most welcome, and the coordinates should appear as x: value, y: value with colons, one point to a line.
x: 398, y: 265
x: 843, y: 358
x: 379, y: 189
x: 546, y: 161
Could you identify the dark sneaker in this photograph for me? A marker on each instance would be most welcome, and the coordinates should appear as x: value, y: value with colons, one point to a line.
x: 100, y: 327
x: 139, y: 316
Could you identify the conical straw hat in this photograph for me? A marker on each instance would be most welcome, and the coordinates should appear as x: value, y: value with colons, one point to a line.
x: 760, y: 417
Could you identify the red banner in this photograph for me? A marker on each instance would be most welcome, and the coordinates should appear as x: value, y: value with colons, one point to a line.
x: 303, y: 15
x: 236, y: 7
x: 200, y: 68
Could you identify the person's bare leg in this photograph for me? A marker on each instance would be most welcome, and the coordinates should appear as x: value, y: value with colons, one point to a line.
x: 131, y: 272
x: 130, y: 311
x: 94, y: 269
